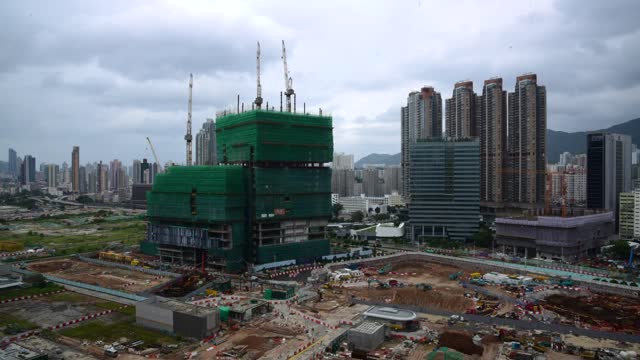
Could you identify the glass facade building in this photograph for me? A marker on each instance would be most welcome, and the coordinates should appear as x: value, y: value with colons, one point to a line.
x: 445, y: 189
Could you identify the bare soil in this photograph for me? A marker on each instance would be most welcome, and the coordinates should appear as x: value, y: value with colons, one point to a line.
x: 108, y: 277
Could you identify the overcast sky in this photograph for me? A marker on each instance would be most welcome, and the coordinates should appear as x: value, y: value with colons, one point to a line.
x: 105, y: 74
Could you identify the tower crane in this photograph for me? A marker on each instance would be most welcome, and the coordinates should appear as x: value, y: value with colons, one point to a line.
x: 258, y: 100
x: 188, y: 137
x: 153, y: 150
x: 288, y: 82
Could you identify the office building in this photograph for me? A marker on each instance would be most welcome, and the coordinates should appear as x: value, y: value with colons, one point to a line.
x: 102, y: 178
x: 137, y: 172
x: 13, y: 162
x: 444, y: 187
x: 114, y: 174
x: 342, y: 181
x: 82, y: 177
x: 420, y: 119
x: 206, y: 152
x: 92, y: 181
x: 392, y: 179
x: 626, y: 214
x: 371, y: 182
x: 52, y: 178
x: 75, y: 169
x: 28, y: 170
x: 527, y: 142
x: 491, y: 118
x: 144, y: 172
x: 608, y: 170
x: 460, y: 119
x: 342, y: 161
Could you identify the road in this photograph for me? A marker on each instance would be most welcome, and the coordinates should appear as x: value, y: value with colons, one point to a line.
x: 517, y: 324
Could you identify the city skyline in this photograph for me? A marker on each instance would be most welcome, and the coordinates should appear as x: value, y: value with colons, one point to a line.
x: 126, y: 95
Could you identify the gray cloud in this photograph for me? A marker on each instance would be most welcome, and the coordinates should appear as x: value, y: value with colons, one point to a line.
x: 105, y: 75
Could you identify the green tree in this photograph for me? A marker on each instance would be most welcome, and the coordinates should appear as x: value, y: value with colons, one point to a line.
x: 483, y: 238
x: 377, y: 210
x: 357, y: 216
x: 335, y: 210
x: 620, y: 250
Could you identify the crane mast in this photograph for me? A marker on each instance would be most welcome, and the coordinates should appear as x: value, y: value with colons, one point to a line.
x: 188, y: 137
x: 153, y: 150
x: 258, y: 100
x: 288, y: 82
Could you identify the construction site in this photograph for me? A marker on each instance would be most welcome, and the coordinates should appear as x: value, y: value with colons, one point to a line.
x: 236, y: 264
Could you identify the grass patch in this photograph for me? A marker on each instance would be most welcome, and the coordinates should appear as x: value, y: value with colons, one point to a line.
x: 108, y: 305
x: 10, y: 294
x: 125, y: 231
x: 68, y: 297
x: 110, y: 332
x: 11, y: 325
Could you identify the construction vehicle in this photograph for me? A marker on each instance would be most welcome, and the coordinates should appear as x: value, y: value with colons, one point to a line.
x: 385, y: 269
x: 475, y: 275
x: 562, y: 281
x: 211, y: 292
x: 381, y: 284
x: 135, y: 262
x: 424, y: 287
x: 454, y: 319
x: 455, y: 276
x: 110, y: 351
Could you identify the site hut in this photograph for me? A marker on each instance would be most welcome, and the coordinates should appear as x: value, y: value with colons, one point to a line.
x: 269, y: 199
x: 367, y: 336
x: 177, y: 318
x: 275, y: 291
x: 17, y: 352
x: 393, y: 318
x: 245, y: 310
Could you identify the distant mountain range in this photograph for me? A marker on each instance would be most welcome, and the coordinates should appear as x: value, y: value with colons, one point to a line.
x: 557, y: 143
x: 375, y: 159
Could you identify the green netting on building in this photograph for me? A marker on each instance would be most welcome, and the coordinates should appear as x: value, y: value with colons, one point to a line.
x: 301, y: 250
x: 275, y: 136
x: 148, y: 248
x: 279, y: 181
x: 199, y: 194
x: 300, y: 192
x: 237, y: 256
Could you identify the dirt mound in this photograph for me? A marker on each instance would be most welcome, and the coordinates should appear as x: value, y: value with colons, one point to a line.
x: 435, y: 299
x: 51, y: 266
x: 460, y: 342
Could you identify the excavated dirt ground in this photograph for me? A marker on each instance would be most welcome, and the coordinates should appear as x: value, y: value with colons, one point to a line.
x: 598, y: 309
x: 435, y: 299
x: 109, y: 277
x: 461, y: 342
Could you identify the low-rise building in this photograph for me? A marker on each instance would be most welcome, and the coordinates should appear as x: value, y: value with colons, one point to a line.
x: 367, y: 336
x: 247, y: 309
x: 177, y: 318
x: 395, y: 319
x: 567, y: 238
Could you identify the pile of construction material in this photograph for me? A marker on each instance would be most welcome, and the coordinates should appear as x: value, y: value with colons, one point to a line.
x: 504, y: 279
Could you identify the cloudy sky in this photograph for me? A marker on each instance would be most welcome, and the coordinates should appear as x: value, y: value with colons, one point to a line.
x: 105, y: 74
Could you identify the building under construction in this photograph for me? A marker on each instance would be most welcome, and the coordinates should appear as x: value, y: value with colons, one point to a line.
x: 268, y: 200
x: 567, y: 238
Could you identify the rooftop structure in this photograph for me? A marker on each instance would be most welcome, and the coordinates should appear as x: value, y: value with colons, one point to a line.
x: 177, y: 317
x: 389, y: 313
x: 17, y: 352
